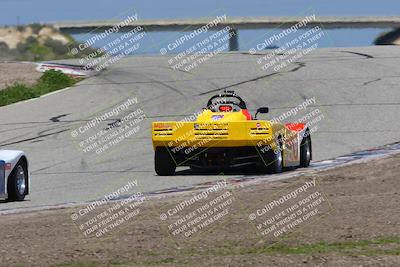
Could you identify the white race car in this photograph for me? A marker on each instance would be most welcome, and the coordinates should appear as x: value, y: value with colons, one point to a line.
x: 14, y: 175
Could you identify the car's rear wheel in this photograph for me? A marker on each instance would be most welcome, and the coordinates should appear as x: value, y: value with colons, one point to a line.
x: 17, y: 182
x: 277, y: 165
x: 305, y: 152
x: 273, y: 159
x: 163, y: 162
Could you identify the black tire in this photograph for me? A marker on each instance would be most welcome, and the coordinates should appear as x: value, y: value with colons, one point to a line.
x: 163, y: 162
x: 272, y: 160
x: 17, y: 186
x: 305, y: 151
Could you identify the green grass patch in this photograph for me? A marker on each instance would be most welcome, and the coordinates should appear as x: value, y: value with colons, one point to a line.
x: 358, y: 247
x: 90, y: 264
x: 50, y: 81
x: 78, y: 264
x: 352, y: 247
x: 116, y: 262
x: 161, y: 262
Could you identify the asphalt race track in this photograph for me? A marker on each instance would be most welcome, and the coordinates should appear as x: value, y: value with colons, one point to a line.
x: 356, y: 89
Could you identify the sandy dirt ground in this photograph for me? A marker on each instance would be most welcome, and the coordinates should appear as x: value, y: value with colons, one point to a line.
x: 11, y: 73
x: 357, y: 224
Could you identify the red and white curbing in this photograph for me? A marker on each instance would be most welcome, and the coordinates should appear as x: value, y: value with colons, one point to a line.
x: 350, y: 159
x: 69, y: 69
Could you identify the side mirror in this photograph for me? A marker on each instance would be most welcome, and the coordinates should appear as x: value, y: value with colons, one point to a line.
x: 262, y: 110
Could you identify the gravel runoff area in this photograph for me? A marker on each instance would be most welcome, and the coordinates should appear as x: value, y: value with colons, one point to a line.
x: 11, y: 73
x: 357, y: 223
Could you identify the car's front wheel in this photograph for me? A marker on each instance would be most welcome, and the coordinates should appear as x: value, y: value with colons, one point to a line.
x: 17, y: 182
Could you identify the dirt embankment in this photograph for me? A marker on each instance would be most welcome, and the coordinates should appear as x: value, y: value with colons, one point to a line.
x: 358, y: 225
x: 24, y: 73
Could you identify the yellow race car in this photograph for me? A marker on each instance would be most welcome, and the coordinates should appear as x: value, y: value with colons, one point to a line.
x: 224, y: 135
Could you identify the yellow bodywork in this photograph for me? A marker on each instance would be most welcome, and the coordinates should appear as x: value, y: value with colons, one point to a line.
x: 218, y: 129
